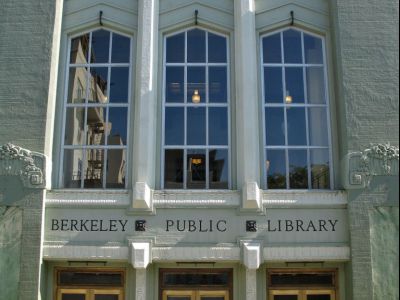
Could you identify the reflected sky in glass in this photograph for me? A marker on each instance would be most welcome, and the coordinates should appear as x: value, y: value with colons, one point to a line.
x: 272, y: 49
x: 296, y: 126
x: 118, y: 120
x: 196, y: 45
x: 217, y: 126
x: 121, y: 46
x: 196, y: 80
x: 176, y: 48
x: 292, y: 46
x: 273, y: 87
x: 294, y: 84
x: 119, y: 85
x: 216, y: 48
x: 218, y: 91
x: 274, y: 126
x: 100, y: 46
x: 313, y: 49
x: 196, y: 126
x: 218, y: 168
x: 174, y: 126
x: 174, y: 91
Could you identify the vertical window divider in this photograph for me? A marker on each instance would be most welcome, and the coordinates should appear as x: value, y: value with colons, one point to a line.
x: 207, y: 101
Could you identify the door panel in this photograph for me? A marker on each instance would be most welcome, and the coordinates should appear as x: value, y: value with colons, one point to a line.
x: 319, y: 295
x: 212, y: 295
x: 179, y: 295
x: 72, y: 294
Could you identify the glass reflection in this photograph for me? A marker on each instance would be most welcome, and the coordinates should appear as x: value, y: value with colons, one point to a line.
x: 174, y: 91
x: 116, y: 168
x: 285, y: 297
x: 272, y: 49
x: 320, y: 175
x: 315, y: 85
x: 196, y: 126
x: 218, y: 168
x: 100, y: 46
x: 196, y: 45
x: 77, y: 85
x: 274, y: 126
x: 119, y: 85
x: 196, y: 80
x: 96, y: 119
x: 294, y: 84
x: 121, y: 49
x: 178, y: 298
x: 318, y: 128
x: 217, y: 84
x: 98, y: 85
x: 313, y: 49
x: 106, y: 297
x: 117, y: 126
x: 174, y: 126
x: 73, y: 297
x: 79, y: 49
x: 217, y: 126
x: 216, y: 48
x: 173, y: 169
x: 276, y: 169
x: 196, y: 169
x: 176, y: 48
x: 74, y: 126
x: 292, y: 46
x: 273, y: 84
x: 296, y: 126
x: 73, y: 168
x: 93, y: 168
x: 212, y: 298
x: 298, y: 171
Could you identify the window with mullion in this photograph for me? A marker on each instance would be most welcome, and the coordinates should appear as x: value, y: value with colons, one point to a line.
x: 95, y: 137
x: 295, y: 107
x: 195, y: 150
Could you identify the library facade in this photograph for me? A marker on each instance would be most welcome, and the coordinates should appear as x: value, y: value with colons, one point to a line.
x: 199, y: 150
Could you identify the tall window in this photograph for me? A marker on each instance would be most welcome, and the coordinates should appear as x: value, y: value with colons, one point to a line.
x: 196, y: 111
x: 97, y: 96
x: 295, y: 101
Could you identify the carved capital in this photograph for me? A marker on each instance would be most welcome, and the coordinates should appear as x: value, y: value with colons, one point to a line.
x: 377, y: 160
x: 27, y: 165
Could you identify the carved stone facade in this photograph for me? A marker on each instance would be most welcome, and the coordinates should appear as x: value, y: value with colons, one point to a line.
x: 27, y: 165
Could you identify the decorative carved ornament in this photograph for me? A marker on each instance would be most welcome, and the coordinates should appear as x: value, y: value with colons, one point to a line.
x: 27, y: 165
x: 378, y: 160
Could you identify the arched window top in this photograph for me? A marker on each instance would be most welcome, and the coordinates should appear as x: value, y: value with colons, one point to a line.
x: 196, y: 46
x: 292, y: 46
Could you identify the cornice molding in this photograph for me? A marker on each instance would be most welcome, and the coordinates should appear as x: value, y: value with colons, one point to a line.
x: 27, y: 165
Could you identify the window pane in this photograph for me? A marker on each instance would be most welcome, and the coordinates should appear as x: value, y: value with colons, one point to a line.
x: 320, y: 175
x: 116, y: 168
x: 196, y: 126
x: 98, y: 85
x: 196, y: 169
x: 121, y: 46
x: 174, y: 126
x: 73, y: 167
x: 315, y: 84
x: 292, y: 46
x: 77, y: 83
x: 173, y: 169
x: 119, y: 84
x: 217, y: 84
x: 100, y: 46
x: 276, y: 169
x: 313, y: 49
x: 174, y: 90
x: 218, y: 168
x: 285, y: 297
x: 74, y: 126
x: 212, y: 298
x: 117, y: 125
x: 274, y: 126
x: 272, y: 49
x: 317, y: 125
x: 319, y: 297
x: 294, y: 84
x: 96, y: 119
x: 176, y: 48
x: 79, y: 49
x: 196, y: 80
x: 196, y: 46
x: 273, y: 88
x: 106, y: 297
x: 217, y: 126
x: 296, y: 126
x: 93, y: 169
x: 73, y: 278
x: 298, y: 174
x: 178, y: 298
x: 73, y: 297
x: 216, y: 48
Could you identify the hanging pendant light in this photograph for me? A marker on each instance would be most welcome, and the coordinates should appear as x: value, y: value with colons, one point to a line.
x: 196, y: 97
x: 288, y: 98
